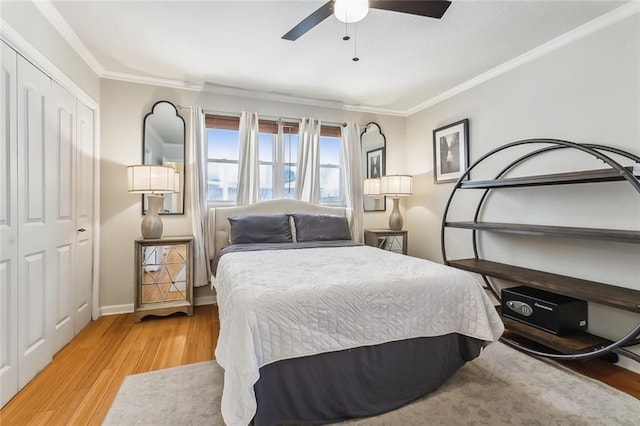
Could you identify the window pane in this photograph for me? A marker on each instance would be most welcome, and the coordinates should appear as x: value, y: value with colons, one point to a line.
x: 290, y: 148
x: 289, y: 181
x: 222, y: 144
x: 222, y: 181
x: 266, y: 182
x: 329, y: 150
x: 265, y: 146
x: 330, y: 188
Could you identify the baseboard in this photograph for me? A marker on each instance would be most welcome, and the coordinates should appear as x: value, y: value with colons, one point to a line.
x: 205, y: 300
x: 116, y: 309
x: 128, y: 308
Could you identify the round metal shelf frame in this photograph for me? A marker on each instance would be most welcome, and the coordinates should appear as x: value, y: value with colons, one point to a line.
x: 598, y: 151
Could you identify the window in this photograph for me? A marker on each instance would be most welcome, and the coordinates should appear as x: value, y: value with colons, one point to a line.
x: 222, y: 158
x: 277, y: 155
x: 331, y: 187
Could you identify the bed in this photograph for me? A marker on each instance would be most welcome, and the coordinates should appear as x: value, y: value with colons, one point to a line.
x: 315, y: 328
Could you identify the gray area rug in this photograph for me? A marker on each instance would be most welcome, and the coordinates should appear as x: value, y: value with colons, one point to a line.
x: 501, y: 387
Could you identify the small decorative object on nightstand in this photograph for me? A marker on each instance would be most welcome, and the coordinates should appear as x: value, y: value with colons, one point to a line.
x: 164, y: 283
x: 386, y: 239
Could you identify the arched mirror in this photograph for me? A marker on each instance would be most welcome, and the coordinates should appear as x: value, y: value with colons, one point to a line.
x: 163, y: 143
x: 374, y: 145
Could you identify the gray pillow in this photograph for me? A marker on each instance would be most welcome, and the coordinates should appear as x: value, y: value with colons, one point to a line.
x: 260, y: 229
x: 321, y: 227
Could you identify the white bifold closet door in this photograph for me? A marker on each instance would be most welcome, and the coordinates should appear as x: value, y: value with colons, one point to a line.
x: 62, y: 142
x: 8, y: 228
x: 84, y: 215
x: 37, y: 231
x: 46, y: 216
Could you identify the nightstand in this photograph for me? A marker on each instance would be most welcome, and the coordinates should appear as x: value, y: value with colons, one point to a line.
x: 164, y: 283
x: 386, y: 239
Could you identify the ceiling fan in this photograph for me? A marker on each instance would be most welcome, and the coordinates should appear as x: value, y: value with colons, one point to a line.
x: 350, y: 11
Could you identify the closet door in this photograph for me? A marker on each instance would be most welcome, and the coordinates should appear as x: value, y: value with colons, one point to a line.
x: 84, y: 216
x: 36, y: 221
x: 63, y: 139
x: 8, y: 228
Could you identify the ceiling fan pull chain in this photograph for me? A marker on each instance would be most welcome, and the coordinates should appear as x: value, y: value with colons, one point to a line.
x: 346, y: 32
x: 355, y: 44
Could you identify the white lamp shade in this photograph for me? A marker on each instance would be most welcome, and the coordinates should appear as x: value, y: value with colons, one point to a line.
x: 396, y: 185
x: 176, y: 181
x: 371, y: 186
x: 350, y: 11
x: 151, y: 179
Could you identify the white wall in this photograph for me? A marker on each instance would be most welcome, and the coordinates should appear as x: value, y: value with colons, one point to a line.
x: 25, y: 20
x: 587, y: 91
x: 123, y: 107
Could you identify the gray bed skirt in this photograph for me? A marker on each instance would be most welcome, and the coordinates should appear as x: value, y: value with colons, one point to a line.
x: 360, y: 382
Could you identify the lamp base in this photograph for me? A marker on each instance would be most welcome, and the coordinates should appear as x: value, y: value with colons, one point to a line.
x: 395, y: 218
x: 151, y: 226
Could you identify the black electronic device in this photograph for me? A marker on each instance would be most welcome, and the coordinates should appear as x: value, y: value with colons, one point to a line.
x: 542, y: 309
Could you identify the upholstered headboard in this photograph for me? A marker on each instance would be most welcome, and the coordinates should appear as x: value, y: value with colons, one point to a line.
x: 218, y: 225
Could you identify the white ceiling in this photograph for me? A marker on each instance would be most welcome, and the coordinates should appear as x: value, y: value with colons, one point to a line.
x: 405, y: 60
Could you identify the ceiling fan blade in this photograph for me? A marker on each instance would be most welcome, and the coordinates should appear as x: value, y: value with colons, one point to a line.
x: 310, y: 21
x: 429, y: 8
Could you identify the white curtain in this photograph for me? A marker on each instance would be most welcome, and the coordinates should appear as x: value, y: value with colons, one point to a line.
x: 249, y: 165
x: 197, y: 189
x: 308, y: 177
x: 352, y: 159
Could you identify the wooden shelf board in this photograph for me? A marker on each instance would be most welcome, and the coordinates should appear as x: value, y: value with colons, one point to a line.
x: 578, y: 342
x: 610, y: 295
x: 602, y: 234
x: 587, y: 176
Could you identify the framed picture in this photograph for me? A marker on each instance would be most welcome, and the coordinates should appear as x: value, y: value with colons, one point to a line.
x: 375, y: 163
x: 450, y: 151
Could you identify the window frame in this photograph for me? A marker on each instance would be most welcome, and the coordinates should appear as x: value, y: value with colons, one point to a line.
x: 268, y: 125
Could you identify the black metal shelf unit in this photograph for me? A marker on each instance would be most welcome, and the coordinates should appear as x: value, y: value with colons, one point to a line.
x: 582, y: 345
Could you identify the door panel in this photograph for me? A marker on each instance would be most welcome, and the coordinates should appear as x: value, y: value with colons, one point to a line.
x: 84, y: 215
x: 36, y: 220
x: 63, y: 140
x: 33, y: 314
x: 8, y: 228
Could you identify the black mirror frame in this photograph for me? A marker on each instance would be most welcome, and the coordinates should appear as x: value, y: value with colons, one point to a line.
x: 383, y: 167
x: 184, y: 152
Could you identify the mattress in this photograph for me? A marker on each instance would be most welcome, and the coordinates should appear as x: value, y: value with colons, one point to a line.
x: 282, y: 304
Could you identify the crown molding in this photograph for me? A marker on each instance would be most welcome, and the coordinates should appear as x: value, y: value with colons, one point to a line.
x: 578, y: 33
x: 154, y: 81
x: 271, y: 96
x: 375, y: 110
x: 50, y: 13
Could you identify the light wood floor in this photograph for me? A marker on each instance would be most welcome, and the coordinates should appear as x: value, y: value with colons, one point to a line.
x: 77, y: 388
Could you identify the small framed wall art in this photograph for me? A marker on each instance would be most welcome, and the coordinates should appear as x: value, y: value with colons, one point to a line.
x: 450, y: 151
x: 375, y: 163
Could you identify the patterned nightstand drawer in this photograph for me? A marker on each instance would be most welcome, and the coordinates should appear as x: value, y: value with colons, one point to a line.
x: 386, y: 239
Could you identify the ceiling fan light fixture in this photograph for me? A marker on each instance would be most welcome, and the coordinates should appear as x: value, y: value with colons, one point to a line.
x: 350, y: 11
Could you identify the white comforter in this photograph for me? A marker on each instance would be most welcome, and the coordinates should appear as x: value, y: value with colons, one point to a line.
x: 284, y: 304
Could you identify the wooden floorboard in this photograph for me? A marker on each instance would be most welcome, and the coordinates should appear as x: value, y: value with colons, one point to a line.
x: 78, y: 386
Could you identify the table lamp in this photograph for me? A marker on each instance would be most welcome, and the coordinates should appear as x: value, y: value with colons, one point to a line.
x: 396, y: 186
x: 153, y: 180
